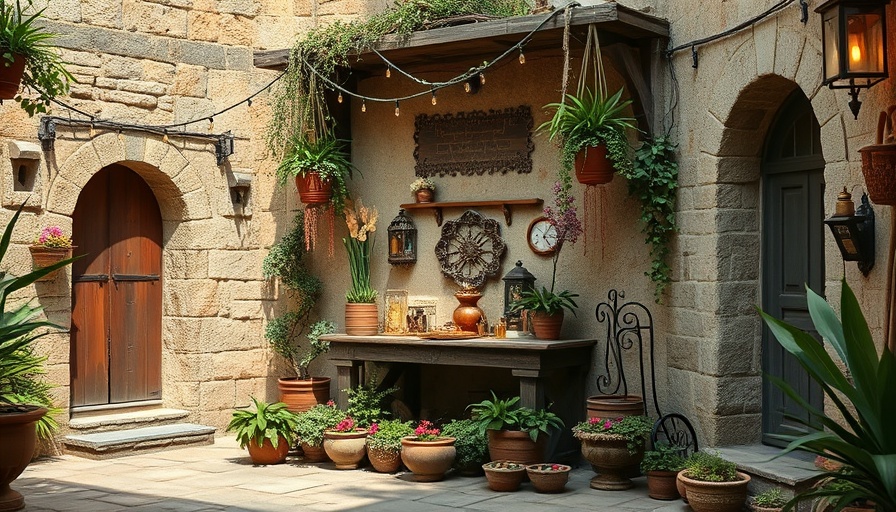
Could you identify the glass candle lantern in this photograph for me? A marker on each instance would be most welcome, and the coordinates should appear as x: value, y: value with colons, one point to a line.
x: 395, y: 310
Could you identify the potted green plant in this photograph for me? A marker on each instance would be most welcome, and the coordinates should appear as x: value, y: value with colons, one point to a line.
x: 515, y: 433
x: 612, y: 446
x: 287, y: 261
x: 423, y: 189
x: 471, y: 445
x: 320, y: 167
x: 713, y: 484
x: 661, y: 465
x: 365, y: 402
x: 769, y: 500
x: 268, y: 431
x: 24, y: 397
x: 384, y: 444
x: 833, y: 493
x: 859, y: 384
x: 346, y: 443
x: 310, y: 428
x: 361, y: 316
x: 428, y: 453
x: 28, y: 59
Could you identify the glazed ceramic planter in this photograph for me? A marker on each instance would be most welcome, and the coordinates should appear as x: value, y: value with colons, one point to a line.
x: 346, y: 449
x: 312, y: 189
x: 314, y: 453
x: 716, y: 496
x: 46, y: 256
x: 547, y: 327
x: 593, y: 166
x: 11, y: 77
x: 516, y: 446
x: 428, y: 460
x: 504, y: 476
x: 361, y: 319
x: 662, y: 485
x: 548, y: 478
x: 384, y: 461
x: 266, y: 454
x: 18, y: 438
x: 467, y: 314
x: 609, y: 455
x: 424, y: 195
x: 300, y: 395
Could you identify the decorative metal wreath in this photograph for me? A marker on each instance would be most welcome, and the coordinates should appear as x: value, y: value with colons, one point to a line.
x: 470, y: 249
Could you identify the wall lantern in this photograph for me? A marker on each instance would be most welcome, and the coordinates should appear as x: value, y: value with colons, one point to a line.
x: 854, y: 45
x: 402, y: 240
x: 516, y: 282
x: 853, y: 230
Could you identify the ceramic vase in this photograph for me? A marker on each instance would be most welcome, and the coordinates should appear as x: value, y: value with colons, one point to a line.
x: 609, y: 455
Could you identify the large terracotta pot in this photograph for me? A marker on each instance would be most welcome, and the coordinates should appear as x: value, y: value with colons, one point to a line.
x: 516, y: 446
x: 547, y: 327
x: 300, y: 395
x: 504, y: 476
x: 346, y: 449
x: 428, y: 460
x: 682, y: 490
x: 467, y: 314
x: 18, y: 438
x: 11, y: 77
x: 614, y: 406
x: 266, y: 453
x: 384, y: 461
x: 424, y: 195
x: 46, y: 256
x: 662, y: 485
x: 361, y: 319
x: 879, y: 163
x: 546, y: 479
x: 593, y: 166
x: 716, y: 496
x: 609, y: 455
x: 314, y: 453
x: 312, y: 189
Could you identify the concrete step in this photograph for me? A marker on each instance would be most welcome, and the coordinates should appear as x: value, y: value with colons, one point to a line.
x: 119, y: 443
x: 111, y: 419
x: 792, y: 473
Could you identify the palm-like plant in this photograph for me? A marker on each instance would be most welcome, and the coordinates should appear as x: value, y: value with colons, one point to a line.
x: 866, y: 442
x: 267, y: 422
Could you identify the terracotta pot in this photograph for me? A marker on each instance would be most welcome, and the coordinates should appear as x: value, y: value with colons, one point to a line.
x: 547, y: 327
x: 467, y: 314
x: 516, y: 446
x: 548, y: 480
x: 863, y: 508
x: 424, y: 195
x: 716, y: 496
x: 879, y: 163
x: 300, y: 395
x: 361, y: 319
x: 614, y: 406
x: 314, y: 453
x: 428, y: 460
x: 504, y: 479
x: 11, y: 77
x: 384, y: 461
x: 346, y: 449
x: 46, y: 256
x: 266, y: 453
x: 18, y: 438
x: 609, y: 454
x: 662, y: 485
x: 757, y: 508
x: 593, y: 166
x: 312, y: 189
x: 682, y: 490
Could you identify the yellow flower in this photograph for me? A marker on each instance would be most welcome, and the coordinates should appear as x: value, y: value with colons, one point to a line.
x: 351, y: 220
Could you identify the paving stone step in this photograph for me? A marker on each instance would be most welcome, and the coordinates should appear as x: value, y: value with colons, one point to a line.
x: 119, y: 443
x: 792, y: 473
x: 116, y: 419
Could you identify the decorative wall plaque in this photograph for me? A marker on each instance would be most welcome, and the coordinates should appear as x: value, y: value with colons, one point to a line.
x: 470, y: 249
x: 474, y: 143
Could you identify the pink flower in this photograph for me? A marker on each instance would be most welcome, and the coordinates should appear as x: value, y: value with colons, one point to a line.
x: 555, y: 467
x: 373, y: 429
x: 426, y: 432
x: 346, y: 425
x: 331, y: 403
x: 607, y: 425
x: 594, y: 421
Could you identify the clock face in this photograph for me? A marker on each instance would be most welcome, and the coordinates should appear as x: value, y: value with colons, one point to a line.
x: 542, y: 236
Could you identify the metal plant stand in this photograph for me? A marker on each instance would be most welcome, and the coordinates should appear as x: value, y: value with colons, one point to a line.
x: 629, y: 327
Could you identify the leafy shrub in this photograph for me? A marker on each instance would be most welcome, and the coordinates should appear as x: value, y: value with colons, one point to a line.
x: 471, y: 444
x: 387, y: 435
x: 267, y: 421
x: 663, y: 457
x: 311, y: 424
x: 710, y: 468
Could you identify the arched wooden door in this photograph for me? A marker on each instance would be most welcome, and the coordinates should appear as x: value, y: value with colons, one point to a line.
x: 116, y: 353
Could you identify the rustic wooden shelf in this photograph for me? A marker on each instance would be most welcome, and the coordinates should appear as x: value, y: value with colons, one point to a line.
x: 504, y: 204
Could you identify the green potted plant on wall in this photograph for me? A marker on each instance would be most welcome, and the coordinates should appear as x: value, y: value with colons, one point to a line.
x: 28, y: 59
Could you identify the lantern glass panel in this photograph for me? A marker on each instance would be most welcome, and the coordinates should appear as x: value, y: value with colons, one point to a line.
x: 831, y: 34
x: 864, y: 34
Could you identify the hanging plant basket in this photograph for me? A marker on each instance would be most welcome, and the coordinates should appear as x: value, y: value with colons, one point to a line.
x: 879, y: 162
x: 593, y: 166
x: 313, y: 189
x: 11, y: 77
x: 46, y: 256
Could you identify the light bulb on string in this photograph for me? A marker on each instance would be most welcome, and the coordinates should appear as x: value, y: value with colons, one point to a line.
x: 434, y: 100
x: 522, y: 56
x: 397, y: 109
x: 92, y: 131
x: 363, y: 105
x: 120, y: 135
x: 211, y: 123
x: 467, y: 87
x: 249, y: 102
x: 481, y: 78
x: 339, y: 98
x: 165, y: 136
x: 388, y: 71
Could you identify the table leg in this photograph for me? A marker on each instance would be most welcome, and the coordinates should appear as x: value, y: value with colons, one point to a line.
x: 531, y: 388
x: 348, y: 375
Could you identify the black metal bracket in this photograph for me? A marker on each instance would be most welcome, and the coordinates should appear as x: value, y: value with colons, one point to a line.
x: 224, y: 147
x: 866, y: 227
x: 46, y: 133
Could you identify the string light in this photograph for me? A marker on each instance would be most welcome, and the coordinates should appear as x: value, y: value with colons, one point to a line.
x: 388, y: 71
x: 467, y: 87
x: 120, y: 136
x: 397, y: 109
x: 165, y: 137
x: 339, y: 98
x: 481, y: 78
x: 211, y: 124
x: 249, y: 102
x: 363, y: 105
x: 522, y: 56
x: 92, y: 131
x: 434, y: 100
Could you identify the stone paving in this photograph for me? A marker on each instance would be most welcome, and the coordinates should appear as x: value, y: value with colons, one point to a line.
x: 220, y: 477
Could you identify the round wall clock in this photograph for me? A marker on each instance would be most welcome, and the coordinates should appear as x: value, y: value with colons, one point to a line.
x: 542, y: 236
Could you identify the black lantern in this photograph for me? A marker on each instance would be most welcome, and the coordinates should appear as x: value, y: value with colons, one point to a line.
x: 854, y: 43
x: 516, y: 282
x: 402, y: 240
x: 853, y: 230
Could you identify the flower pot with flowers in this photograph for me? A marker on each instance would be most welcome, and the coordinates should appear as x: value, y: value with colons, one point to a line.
x: 310, y: 428
x: 424, y: 189
x: 361, y: 317
x: 515, y: 433
x: 268, y: 431
x: 50, y: 247
x: 546, y: 308
x: 661, y: 465
x: 504, y: 476
x: 612, y: 446
x: 427, y: 453
x: 384, y: 444
x: 713, y: 484
x: 346, y: 444
x: 548, y: 478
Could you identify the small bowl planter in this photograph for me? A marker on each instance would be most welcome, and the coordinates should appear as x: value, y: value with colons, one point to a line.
x: 384, y: 461
x: 504, y: 476
x: 428, y: 460
x: 663, y: 485
x: 716, y: 496
x: 548, y: 478
x: 314, y: 453
x: 346, y: 449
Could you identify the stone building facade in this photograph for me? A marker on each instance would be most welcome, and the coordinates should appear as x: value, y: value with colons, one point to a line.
x: 169, y: 61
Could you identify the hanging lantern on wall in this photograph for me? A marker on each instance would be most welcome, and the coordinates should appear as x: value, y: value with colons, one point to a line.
x: 854, y: 45
x: 853, y: 229
x: 516, y: 282
x: 402, y: 240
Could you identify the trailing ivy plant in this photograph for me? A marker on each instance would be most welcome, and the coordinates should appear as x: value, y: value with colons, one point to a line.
x: 653, y: 180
